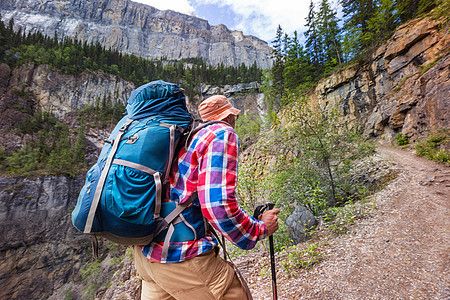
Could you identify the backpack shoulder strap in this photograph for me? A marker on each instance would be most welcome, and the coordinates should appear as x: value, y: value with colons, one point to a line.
x: 196, y: 129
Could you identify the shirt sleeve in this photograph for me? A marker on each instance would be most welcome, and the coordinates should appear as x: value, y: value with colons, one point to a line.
x: 217, y: 180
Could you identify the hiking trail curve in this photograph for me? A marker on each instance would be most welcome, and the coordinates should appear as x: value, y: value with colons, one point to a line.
x: 399, y: 251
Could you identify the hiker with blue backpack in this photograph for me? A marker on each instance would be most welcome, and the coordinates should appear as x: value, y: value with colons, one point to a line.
x: 166, y: 185
x: 193, y: 269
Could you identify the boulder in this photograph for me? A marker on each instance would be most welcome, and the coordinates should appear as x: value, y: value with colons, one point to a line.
x: 299, y: 224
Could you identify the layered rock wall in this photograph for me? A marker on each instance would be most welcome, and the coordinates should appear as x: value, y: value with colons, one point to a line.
x: 245, y: 96
x: 139, y: 29
x: 63, y: 94
x: 403, y: 88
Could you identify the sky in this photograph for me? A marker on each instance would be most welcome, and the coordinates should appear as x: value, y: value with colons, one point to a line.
x: 253, y: 17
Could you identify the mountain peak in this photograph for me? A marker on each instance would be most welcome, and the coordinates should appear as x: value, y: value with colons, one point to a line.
x: 139, y: 29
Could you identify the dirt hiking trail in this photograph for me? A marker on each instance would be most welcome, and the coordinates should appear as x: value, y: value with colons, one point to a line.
x: 399, y: 251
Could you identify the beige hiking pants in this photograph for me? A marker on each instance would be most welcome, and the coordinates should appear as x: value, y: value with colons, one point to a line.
x: 206, y: 276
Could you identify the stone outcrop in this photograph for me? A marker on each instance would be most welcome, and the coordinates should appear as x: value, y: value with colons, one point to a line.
x: 42, y: 255
x: 403, y: 88
x: 62, y: 94
x: 28, y: 88
x: 139, y: 29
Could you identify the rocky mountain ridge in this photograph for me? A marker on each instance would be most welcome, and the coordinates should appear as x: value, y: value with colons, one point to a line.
x: 139, y: 29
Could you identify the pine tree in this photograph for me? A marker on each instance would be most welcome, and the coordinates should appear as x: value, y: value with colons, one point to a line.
x: 278, y: 65
x: 313, y: 41
x: 3, y: 37
x: 329, y: 31
x: 382, y: 24
x: 356, y: 15
x: 408, y: 9
x: 295, y: 60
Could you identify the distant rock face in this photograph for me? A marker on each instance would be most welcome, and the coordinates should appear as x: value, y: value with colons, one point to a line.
x: 244, y: 96
x: 139, y: 29
x: 39, y: 248
x: 28, y: 89
x: 31, y: 88
x: 404, y: 88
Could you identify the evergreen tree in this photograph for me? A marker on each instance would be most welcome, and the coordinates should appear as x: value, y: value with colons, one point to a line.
x: 278, y: 65
x: 329, y: 31
x: 356, y: 15
x: 408, y: 9
x: 297, y: 71
x: 382, y: 24
x: 3, y: 40
x: 313, y: 41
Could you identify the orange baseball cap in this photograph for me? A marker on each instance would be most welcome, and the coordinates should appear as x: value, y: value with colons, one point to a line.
x: 216, y: 108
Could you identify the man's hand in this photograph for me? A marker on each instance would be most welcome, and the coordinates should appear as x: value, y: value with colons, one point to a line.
x: 270, y: 218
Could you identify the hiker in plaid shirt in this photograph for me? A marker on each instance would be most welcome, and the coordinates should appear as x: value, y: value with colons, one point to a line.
x: 193, y: 269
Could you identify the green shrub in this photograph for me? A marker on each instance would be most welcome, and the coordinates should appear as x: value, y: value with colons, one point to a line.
x: 402, y: 140
x: 435, y: 146
x: 102, y: 114
x: 298, y: 258
x: 55, y: 150
x: 91, y: 276
x: 248, y: 128
x: 306, y: 160
x: 314, y: 158
x: 24, y: 160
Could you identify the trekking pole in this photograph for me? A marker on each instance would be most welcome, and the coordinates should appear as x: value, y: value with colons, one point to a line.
x: 272, y: 260
x: 258, y: 211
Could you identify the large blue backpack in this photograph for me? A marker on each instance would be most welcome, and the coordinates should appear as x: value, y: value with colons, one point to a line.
x: 122, y: 196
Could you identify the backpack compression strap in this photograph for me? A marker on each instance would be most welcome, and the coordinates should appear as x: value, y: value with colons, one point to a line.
x: 172, y: 148
x: 170, y: 220
x: 101, y: 181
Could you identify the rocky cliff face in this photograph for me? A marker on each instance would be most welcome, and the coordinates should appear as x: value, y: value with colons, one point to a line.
x: 39, y: 248
x: 28, y: 88
x: 244, y: 96
x: 139, y: 29
x: 42, y: 256
x: 403, y: 88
